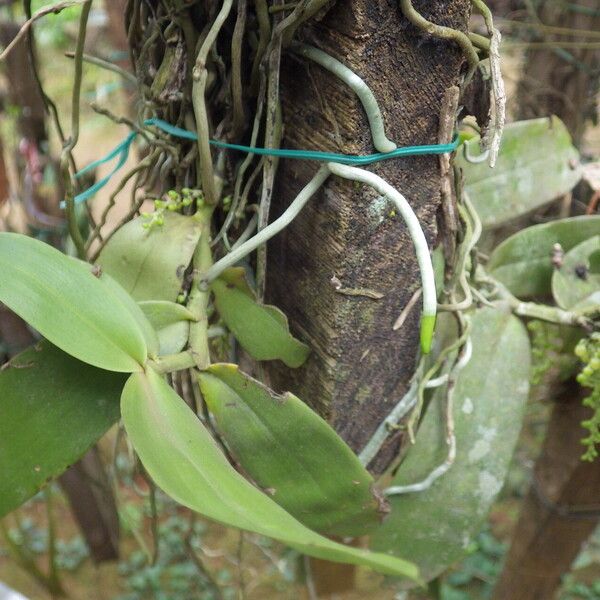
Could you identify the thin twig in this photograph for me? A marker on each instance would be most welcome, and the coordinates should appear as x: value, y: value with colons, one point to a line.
x: 107, y: 65
x: 406, y: 310
x: 46, y: 10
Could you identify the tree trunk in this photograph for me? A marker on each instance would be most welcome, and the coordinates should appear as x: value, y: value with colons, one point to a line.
x: 562, y: 81
x: 553, y: 522
x: 360, y: 367
x: 23, y: 91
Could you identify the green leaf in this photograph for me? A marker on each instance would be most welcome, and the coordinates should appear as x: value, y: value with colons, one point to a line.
x: 53, y: 409
x: 588, y: 306
x: 88, y: 316
x: 171, y: 322
x: 183, y: 459
x: 288, y: 449
x: 261, y: 330
x: 537, y: 164
x: 150, y: 263
x: 523, y: 262
x: 437, y: 525
x: 575, y: 281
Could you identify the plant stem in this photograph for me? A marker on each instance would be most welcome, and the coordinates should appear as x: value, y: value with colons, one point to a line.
x: 532, y: 310
x: 46, y: 10
x: 173, y: 362
x: 107, y: 65
x: 199, y: 296
x: 74, y: 231
x: 200, y: 76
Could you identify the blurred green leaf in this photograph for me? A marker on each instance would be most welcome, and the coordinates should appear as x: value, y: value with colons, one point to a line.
x: 574, y: 282
x: 286, y: 448
x: 537, y: 163
x: 184, y: 460
x: 150, y: 263
x: 171, y: 322
x: 261, y: 330
x: 53, y: 409
x: 86, y: 314
x: 438, y: 524
x: 523, y: 262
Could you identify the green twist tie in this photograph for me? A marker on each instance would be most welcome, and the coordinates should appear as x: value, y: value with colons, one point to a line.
x: 122, y: 152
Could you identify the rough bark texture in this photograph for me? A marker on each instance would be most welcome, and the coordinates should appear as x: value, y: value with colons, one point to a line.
x: 561, y: 81
x: 359, y: 367
x: 549, y: 535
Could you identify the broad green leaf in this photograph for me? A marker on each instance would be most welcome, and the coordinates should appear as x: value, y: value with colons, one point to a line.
x: 436, y: 526
x: 588, y: 306
x: 261, y: 330
x: 53, y: 409
x: 85, y: 314
x: 171, y: 322
x: 523, y: 262
x: 150, y: 263
x: 289, y: 450
x: 184, y: 460
x: 575, y: 281
x: 537, y: 163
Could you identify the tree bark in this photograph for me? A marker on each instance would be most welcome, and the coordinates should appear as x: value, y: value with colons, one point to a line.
x: 360, y: 367
x: 554, y: 521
